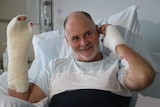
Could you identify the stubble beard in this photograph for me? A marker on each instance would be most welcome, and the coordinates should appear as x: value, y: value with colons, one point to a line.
x: 84, y: 58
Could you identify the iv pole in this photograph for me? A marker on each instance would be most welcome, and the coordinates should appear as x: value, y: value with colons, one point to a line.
x: 46, y: 15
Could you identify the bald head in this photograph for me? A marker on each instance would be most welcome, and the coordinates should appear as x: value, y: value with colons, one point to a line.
x: 78, y: 14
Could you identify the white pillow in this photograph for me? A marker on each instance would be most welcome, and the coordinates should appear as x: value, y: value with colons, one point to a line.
x: 52, y: 44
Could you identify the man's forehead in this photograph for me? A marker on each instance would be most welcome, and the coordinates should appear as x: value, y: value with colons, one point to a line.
x: 77, y: 23
x: 75, y: 14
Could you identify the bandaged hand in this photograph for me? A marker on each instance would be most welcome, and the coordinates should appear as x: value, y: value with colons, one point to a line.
x: 19, y: 42
x: 112, y: 38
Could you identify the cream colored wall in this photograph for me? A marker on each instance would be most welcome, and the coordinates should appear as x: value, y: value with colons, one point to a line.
x: 10, y: 9
x: 148, y: 15
x: 3, y: 26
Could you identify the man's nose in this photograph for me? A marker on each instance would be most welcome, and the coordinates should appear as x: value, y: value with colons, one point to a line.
x: 84, y: 41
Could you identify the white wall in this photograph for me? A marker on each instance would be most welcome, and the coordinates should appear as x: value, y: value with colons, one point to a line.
x: 10, y: 9
x: 148, y: 14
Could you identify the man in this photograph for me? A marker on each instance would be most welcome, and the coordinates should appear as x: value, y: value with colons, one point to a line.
x: 90, y: 78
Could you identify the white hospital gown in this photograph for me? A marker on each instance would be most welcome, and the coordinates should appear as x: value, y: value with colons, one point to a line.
x: 69, y: 74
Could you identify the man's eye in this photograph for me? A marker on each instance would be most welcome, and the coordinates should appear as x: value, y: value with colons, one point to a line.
x: 88, y: 34
x: 75, y: 38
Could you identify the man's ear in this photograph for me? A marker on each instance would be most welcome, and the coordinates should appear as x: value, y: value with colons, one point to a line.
x: 98, y: 30
x: 67, y: 40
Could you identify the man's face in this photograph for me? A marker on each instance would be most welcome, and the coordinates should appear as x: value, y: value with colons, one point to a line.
x: 83, y: 37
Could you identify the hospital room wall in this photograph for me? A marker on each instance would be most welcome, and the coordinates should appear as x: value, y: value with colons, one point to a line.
x: 148, y: 14
x: 10, y: 9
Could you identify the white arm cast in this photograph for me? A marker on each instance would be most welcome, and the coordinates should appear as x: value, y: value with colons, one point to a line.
x: 19, y: 41
x: 113, y: 38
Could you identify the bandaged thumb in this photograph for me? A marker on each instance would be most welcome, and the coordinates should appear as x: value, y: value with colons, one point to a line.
x: 112, y: 38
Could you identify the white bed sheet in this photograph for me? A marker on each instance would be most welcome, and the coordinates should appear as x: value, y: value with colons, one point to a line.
x: 8, y: 101
x: 149, y: 97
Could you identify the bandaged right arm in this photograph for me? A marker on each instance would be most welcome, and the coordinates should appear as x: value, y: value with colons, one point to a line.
x: 139, y: 74
x: 112, y: 38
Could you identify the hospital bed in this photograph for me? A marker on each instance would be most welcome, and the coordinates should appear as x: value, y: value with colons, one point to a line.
x: 50, y: 45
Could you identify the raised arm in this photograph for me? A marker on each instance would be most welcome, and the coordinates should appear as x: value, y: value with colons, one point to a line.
x: 139, y: 73
x: 19, y: 41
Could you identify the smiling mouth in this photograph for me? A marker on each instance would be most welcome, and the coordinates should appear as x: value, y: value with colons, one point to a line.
x: 86, y: 48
